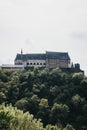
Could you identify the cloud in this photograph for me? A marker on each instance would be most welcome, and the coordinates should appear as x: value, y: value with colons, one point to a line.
x: 28, y: 41
x: 79, y: 35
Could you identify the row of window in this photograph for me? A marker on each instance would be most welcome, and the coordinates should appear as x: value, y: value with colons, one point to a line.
x: 31, y: 63
x: 36, y: 64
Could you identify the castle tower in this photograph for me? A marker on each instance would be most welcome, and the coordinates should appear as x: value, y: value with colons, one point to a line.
x: 21, y: 51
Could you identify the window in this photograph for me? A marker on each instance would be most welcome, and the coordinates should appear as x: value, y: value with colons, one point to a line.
x: 20, y: 63
x: 37, y: 63
x: 27, y: 63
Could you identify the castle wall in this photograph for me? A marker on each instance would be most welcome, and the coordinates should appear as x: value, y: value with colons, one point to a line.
x: 18, y: 62
x: 31, y: 63
x: 64, y: 64
x: 52, y: 63
x: 55, y: 63
x: 39, y: 63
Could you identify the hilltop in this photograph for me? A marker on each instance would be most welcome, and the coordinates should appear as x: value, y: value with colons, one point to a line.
x: 55, y: 96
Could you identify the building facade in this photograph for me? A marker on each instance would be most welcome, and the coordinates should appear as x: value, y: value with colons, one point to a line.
x: 45, y: 60
x: 12, y: 67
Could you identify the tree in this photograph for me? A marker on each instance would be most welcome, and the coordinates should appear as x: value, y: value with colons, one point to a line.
x: 44, y: 111
x: 77, y: 78
x: 51, y: 127
x: 33, y: 104
x: 13, y: 119
x: 5, y: 119
x: 68, y: 127
x: 77, y: 100
x: 2, y: 97
x: 59, y: 113
x: 21, y: 104
x: 43, y: 102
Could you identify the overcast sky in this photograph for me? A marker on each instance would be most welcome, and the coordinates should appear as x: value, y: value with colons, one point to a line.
x: 43, y: 25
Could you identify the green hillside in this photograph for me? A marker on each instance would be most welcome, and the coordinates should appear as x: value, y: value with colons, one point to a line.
x: 56, y: 97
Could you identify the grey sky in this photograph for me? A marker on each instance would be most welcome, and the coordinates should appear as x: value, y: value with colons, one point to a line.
x: 40, y: 25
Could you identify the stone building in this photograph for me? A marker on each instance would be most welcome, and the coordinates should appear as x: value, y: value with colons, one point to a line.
x: 57, y: 59
x: 45, y: 60
x: 12, y: 67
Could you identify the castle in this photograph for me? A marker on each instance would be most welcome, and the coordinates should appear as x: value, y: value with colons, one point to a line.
x: 50, y: 60
x: 43, y: 60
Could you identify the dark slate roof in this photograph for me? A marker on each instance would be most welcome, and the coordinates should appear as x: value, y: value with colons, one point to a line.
x: 41, y: 56
x: 25, y: 57
x: 57, y: 55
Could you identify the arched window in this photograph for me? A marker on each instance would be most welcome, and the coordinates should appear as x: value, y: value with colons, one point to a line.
x: 30, y: 63
x: 40, y: 63
x: 34, y: 63
x: 37, y: 63
x: 27, y: 63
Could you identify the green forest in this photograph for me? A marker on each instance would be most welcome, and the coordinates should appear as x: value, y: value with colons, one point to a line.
x: 43, y: 100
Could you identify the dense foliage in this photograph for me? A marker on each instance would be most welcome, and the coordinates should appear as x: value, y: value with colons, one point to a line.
x: 13, y: 119
x: 56, y: 97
